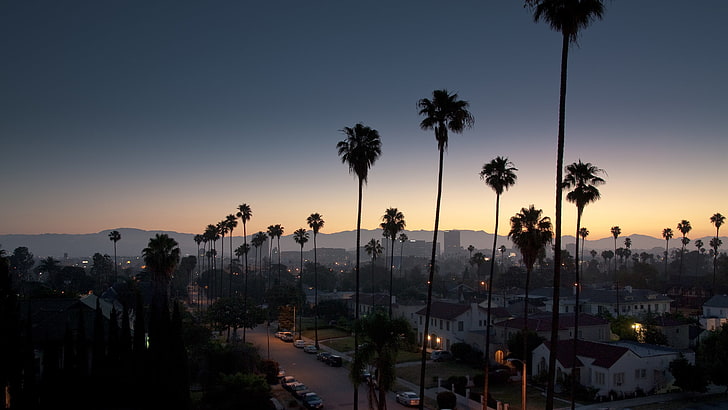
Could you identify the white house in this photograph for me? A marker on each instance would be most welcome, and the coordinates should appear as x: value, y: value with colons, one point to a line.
x: 715, y: 312
x: 615, y: 369
x: 450, y: 323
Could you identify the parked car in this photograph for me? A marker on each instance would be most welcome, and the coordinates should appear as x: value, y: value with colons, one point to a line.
x: 281, y: 373
x: 287, y: 337
x: 334, y: 361
x: 312, y: 400
x: 408, y: 398
x: 310, y: 349
x: 287, y: 381
x: 440, y: 355
x: 299, y: 390
x: 323, y: 356
x: 299, y: 343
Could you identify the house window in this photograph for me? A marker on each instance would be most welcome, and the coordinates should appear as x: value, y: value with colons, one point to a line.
x: 618, y: 379
x: 440, y: 323
x: 640, y: 373
x: 447, y: 324
x: 420, y: 320
x: 599, y: 378
x: 461, y: 326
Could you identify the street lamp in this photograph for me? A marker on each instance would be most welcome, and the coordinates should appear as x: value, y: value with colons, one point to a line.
x: 523, y: 381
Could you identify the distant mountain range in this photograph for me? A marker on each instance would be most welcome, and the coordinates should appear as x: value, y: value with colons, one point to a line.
x: 134, y: 240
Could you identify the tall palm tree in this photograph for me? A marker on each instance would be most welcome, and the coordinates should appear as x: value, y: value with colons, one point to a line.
x: 616, y: 230
x: 499, y: 174
x: 392, y: 223
x: 567, y: 17
x: 530, y: 233
x: 584, y: 179
x: 211, y: 234
x: 245, y: 213
x: 402, y: 239
x: 315, y: 222
x: 271, y: 234
x: 698, y: 257
x: 279, y: 232
x: 161, y: 257
x: 684, y: 227
x: 667, y: 234
x: 360, y: 150
x: 231, y: 221
x: 373, y: 248
x: 583, y: 233
x: 443, y: 113
x: 257, y: 241
x: 301, y: 237
x: 716, y: 219
x: 115, y: 236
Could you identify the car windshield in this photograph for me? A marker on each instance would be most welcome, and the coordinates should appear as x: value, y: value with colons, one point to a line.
x: 312, y: 397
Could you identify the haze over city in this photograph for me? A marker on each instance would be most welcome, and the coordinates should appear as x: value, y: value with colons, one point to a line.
x: 168, y: 115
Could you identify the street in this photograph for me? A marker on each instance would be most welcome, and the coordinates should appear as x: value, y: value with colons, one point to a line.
x: 331, y: 383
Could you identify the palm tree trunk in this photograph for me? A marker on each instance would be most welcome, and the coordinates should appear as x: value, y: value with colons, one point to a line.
x: 428, y: 309
x: 356, y: 313
x: 577, y: 283
x: 315, y: 292
x: 391, y: 279
x: 486, y: 389
x: 557, y: 228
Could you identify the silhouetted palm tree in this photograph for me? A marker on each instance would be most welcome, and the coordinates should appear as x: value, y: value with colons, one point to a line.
x: 361, y: 148
x: 583, y: 233
x: 716, y: 219
x: 257, y: 241
x: 271, y: 234
x: 499, y: 174
x: 530, y: 233
x: 684, y: 227
x: 393, y: 223
x: 583, y: 178
x: 667, y: 235
x: 443, y: 113
x: 567, y: 17
x: 698, y: 257
x: 231, y: 221
x: 315, y: 222
x: 301, y: 237
x: 161, y: 257
x: 402, y: 239
x: 616, y: 230
x: 373, y: 248
x: 115, y: 236
x: 245, y: 213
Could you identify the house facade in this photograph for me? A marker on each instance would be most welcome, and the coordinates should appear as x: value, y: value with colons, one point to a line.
x: 715, y: 312
x: 450, y: 323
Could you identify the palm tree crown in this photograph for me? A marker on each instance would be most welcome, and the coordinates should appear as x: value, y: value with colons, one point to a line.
x: 568, y: 17
x: 530, y: 233
x: 444, y: 112
x: 717, y: 219
x: 499, y: 174
x: 361, y: 148
x: 584, y: 178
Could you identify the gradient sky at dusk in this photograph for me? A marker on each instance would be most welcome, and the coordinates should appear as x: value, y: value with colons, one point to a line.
x: 166, y: 115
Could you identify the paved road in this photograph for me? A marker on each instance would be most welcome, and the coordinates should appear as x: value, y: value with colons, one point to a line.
x: 331, y: 383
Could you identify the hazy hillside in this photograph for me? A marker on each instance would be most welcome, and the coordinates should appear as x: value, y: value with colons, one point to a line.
x: 134, y: 240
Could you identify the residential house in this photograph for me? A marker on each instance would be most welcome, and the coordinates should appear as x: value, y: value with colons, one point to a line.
x: 677, y: 332
x: 715, y: 312
x: 450, y: 323
x: 615, y: 369
x: 632, y: 302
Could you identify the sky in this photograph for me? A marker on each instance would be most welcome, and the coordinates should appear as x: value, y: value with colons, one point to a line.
x: 167, y: 115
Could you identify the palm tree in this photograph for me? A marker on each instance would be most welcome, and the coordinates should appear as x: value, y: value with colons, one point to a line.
x: 245, y: 213
x: 699, y: 246
x: 222, y: 228
x: 502, y: 250
x: 231, y: 221
x: 383, y: 337
x: 716, y: 219
x: 257, y: 241
x: 301, y: 237
x: 616, y: 230
x: 530, y: 233
x: 443, y: 113
x: 402, y: 239
x: 499, y: 174
x: 161, y: 257
x: 667, y: 235
x: 278, y: 229
x: 271, y: 234
x: 211, y: 234
x: 315, y: 222
x: 583, y: 233
x: 392, y: 223
x: 684, y: 227
x: 567, y: 17
x: 360, y: 150
x: 115, y: 236
x: 715, y: 244
x: 584, y: 179
x: 373, y: 248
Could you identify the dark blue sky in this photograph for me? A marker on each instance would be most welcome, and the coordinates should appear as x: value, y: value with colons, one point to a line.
x: 169, y: 114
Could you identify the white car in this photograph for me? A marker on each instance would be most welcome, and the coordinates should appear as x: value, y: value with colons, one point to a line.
x: 408, y: 398
x: 299, y: 343
x: 310, y: 349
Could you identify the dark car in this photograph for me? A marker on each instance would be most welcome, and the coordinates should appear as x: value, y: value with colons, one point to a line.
x: 312, y: 400
x: 299, y: 390
x: 323, y: 356
x: 334, y: 361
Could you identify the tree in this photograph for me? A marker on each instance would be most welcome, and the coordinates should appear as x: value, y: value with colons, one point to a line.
x: 716, y: 219
x: 373, y: 248
x: 684, y: 227
x: 231, y: 222
x: 392, y: 224
x: 402, y: 239
x: 714, y: 355
x: 443, y: 113
x: 382, y: 338
x: 499, y: 174
x: 699, y: 256
x: 567, y: 17
x: 688, y: 377
x: 615, y: 230
x: 245, y: 213
x: 360, y: 150
x: 583, y: 233
x: 666, y: 235
x: 584, y: 179
x: 530, y: 233
x: 115, y: 236
x: 315, y: 222
x: 161, y: 257
x: 301, y: 237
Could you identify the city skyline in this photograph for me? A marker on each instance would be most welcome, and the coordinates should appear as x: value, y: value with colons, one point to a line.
x: 162, y: 116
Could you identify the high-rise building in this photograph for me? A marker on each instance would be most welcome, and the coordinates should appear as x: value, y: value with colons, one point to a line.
x: 451, y: 242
